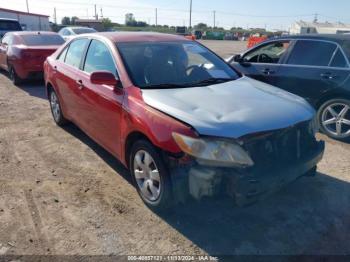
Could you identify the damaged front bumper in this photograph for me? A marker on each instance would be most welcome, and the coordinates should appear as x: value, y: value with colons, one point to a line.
x: 245, y: 185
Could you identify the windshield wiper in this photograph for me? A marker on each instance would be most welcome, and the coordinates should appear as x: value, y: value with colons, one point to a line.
x: 212, y: 81
x: 165, y: 86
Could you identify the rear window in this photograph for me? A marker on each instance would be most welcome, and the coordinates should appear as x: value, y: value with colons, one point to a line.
x: 33, y: 40
x: 80, y: 31
x: 10, y: 26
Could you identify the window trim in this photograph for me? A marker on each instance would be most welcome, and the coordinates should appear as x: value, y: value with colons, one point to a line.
x: 315, y: 66
x: 68, y: 46
x: 282, y: 58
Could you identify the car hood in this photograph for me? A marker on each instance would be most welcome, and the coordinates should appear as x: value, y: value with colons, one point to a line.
x: 232, y: 109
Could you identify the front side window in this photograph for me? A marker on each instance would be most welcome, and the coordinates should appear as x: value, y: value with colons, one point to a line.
x: 270, y: 53
x: 312, y: 53
x: 99, y: 58
x: 38, y: 39
x: 75, y: 52
x: 177, y: 63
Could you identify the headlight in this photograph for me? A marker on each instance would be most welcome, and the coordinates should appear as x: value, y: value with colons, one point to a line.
x: 213, y: 152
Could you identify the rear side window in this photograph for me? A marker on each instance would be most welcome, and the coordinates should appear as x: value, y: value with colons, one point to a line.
x: 75, y: 52
x: 312, y: 53
x: 35, y: 40
x: 62, y: 56
x: 10, y: 26
x: 339, y: 60
x: 99, y: 58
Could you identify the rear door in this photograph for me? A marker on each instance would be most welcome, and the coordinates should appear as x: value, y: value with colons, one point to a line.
x: 313, y: 68
x: 67, y: 70
x: 263, y: 62
x: 101, y: 105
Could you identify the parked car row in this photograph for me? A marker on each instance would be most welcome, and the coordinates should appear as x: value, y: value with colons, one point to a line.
x: 181, y: 119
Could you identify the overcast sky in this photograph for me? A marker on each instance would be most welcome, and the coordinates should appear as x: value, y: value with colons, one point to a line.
x: 274, y: 14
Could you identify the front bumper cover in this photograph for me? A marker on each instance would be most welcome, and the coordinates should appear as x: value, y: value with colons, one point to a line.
x: 245, y: 185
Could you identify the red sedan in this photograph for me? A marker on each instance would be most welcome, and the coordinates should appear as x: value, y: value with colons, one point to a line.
x: 23, y: 54
x: 180, y: 118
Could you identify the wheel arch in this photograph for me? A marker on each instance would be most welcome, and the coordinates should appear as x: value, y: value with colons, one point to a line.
x: 130, y: 140
x: 333, y: 95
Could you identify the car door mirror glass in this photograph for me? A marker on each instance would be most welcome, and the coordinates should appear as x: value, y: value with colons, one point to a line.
x: 103, y: 78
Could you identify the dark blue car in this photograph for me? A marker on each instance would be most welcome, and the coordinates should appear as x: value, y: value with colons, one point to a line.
x: 315, y: 67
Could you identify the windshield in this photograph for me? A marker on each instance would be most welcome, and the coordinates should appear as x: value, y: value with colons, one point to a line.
x: 166, y: 64
x: 80, y: 31
x: 10, y: 26
x: 33, y: 40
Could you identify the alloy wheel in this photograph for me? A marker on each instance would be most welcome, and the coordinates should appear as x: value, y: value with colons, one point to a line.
x: 147, y: 176
x: 336, y: 120
x: 55, y: 106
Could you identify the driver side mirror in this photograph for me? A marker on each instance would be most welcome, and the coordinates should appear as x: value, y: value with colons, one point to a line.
x: 104, y: 78
x: 238, y: 58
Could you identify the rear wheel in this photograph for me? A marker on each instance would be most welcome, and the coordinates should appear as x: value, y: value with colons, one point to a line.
x: 150, y: 176
x: 16, y: 80
x: 334, y: 119
x: 56, y: 109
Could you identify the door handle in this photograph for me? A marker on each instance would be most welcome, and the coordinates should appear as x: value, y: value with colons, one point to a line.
x: 328, y: 76
x: 80, y: 84
x: 267, y: 71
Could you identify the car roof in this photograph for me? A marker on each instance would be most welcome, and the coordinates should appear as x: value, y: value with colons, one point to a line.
x: 8, y: 19
x: 20, y: 33
x: 327, y: 37
x: 140, y: 37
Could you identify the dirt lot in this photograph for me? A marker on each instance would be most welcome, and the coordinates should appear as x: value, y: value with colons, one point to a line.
x: 60, y: 193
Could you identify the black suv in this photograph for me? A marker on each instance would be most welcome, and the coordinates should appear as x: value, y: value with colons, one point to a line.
x: 315, y: 67
x: 8, y: 25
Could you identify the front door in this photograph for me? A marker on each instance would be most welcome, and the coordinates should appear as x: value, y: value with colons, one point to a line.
x: 101, y: 105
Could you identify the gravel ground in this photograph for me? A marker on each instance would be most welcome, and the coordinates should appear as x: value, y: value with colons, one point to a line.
x: 62, y: 194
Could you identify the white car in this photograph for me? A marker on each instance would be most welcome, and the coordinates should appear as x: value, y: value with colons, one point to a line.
x: 69, y: 32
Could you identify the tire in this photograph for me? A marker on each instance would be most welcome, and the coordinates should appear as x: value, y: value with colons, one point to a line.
x: 331, y: 115
x: 312, y: 172
x: 16, y: 80
x: 140, y: 171
x: 56, y: 110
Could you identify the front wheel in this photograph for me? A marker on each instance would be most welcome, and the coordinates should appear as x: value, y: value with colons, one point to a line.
x: 334, y: 119
x: 150, y: 176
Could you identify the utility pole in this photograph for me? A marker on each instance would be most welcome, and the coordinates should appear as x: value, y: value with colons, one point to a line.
x: 96, y: 15
x: 190, y: 14
x: 101, y: 12
x: 156, y: 17
x: 55, y: 16
x: 214, y: 19
x: 27, y: 6
x: 316, y: 18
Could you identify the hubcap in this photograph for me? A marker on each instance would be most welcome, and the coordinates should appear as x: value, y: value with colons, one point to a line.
x: 336, y: 120
x: 147, y: 175
x: 55, y: 106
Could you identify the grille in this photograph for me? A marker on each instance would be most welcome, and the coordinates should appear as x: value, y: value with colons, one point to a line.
x: 281, y: 147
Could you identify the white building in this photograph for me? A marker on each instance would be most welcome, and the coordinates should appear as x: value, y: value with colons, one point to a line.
x: 302, y: 27
x: 29, y: 21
